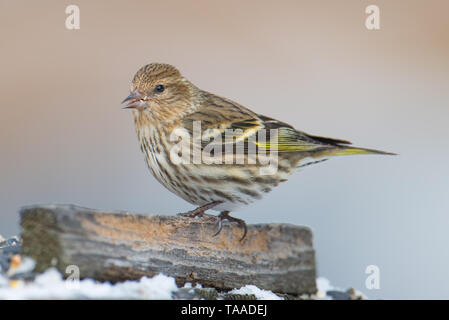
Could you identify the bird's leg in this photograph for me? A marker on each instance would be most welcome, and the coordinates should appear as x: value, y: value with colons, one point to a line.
x: 224, y: 215
x: 199, y: 212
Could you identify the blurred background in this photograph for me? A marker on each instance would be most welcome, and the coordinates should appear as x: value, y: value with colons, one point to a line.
x: 64, y: 137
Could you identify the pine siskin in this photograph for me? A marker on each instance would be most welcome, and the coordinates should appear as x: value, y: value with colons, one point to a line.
x: 164, y: 102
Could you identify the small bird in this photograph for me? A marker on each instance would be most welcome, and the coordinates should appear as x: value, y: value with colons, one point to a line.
x: 163, y: 101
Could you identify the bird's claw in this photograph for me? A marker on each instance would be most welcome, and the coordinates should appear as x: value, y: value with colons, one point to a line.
x: 220, y: 226
x: 225, y: 216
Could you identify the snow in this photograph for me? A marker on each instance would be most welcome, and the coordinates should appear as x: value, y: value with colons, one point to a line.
x: 259, y: 293
x: 51, y: 285
x: 323, y: 286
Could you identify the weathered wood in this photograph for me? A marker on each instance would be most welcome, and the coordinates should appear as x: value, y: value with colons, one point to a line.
x: 122, y: 246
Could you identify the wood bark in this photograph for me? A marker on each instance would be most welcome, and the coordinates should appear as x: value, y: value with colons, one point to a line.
x: 118, y: 246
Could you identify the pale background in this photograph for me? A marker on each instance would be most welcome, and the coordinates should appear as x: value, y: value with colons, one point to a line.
x: 64, y: 137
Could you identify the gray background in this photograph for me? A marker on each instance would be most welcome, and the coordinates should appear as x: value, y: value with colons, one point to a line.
x: 64, y: 137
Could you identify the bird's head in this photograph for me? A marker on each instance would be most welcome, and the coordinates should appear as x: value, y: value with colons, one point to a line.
x: 160, y: 91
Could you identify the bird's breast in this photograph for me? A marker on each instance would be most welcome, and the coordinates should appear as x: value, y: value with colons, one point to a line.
x: 200, y: 183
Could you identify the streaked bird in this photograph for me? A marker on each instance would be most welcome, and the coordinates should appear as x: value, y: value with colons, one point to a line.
x: 164, y: 101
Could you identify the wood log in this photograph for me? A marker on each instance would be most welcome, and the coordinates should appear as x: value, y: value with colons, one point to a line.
x: 118, y: 246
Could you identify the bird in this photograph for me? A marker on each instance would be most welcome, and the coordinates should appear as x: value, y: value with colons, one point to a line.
x: 163, y: 102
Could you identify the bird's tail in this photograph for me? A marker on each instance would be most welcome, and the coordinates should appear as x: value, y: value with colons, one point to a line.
x: 324, y: 154
x: 346, y: 150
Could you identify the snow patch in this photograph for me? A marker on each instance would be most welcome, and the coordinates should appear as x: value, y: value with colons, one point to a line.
x: 323, y: 285
x: 259, y: 293
x: 51, y: 285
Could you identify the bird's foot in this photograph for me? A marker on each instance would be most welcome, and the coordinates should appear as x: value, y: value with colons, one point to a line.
x: 199, y: 212
x: 225, y: 216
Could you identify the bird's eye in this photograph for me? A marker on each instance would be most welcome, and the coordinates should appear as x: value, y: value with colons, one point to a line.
x: 159, y: 88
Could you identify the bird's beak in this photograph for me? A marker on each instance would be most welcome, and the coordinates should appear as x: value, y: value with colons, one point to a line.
x: 131, y: 100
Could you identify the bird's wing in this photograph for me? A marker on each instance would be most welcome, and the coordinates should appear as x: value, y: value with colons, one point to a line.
x: 219, y: 116
x: 291, y: 140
